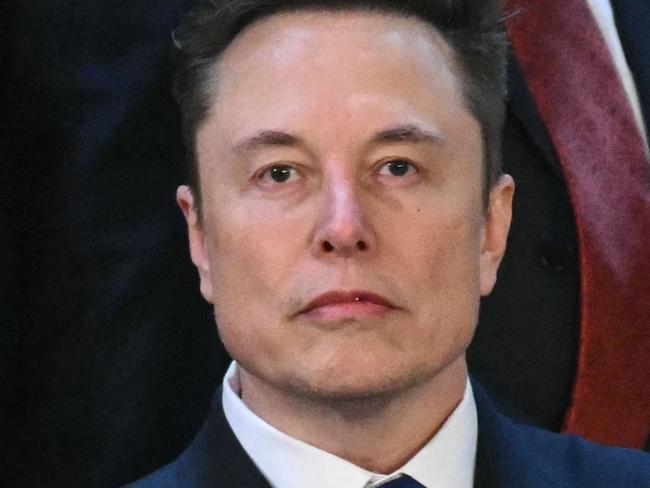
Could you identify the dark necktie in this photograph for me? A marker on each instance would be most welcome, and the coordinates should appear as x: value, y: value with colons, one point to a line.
x: 577, y: 90
x: 402, y: 481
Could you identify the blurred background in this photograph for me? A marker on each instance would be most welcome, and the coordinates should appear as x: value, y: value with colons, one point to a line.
x: 109, y: 356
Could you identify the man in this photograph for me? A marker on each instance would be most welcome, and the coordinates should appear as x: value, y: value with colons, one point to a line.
x: 346, y: 214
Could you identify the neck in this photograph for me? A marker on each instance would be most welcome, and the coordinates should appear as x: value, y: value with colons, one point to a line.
x: 377, y: 434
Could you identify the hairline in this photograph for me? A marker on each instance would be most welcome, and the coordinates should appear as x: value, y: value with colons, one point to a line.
x: 210, y: 88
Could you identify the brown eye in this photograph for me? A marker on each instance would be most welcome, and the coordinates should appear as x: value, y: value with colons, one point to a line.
x: 396, y: 167
x: 280, y: 173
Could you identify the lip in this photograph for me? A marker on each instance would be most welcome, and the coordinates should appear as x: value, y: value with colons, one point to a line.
x: 345, y: 305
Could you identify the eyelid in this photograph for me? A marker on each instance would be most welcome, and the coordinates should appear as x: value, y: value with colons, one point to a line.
x: 386, y: 161
x: 264, y: 170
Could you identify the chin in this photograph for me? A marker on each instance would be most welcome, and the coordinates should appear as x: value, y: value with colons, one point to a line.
x: 350, y: 384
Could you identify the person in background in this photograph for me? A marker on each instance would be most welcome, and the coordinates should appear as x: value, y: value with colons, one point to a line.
x: 563, y: 339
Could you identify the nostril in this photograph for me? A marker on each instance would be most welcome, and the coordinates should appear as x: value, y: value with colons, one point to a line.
x: 329, y: 247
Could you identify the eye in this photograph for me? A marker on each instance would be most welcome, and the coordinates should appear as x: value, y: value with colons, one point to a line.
x: 397, y: 167
x: 279, y: 173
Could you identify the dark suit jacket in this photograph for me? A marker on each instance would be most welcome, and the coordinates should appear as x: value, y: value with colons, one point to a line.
x: 508, y: 455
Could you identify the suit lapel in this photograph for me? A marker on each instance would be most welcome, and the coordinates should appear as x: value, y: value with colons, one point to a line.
x: 505, y: 455
x: 216, y: 459
x: 633, y: 25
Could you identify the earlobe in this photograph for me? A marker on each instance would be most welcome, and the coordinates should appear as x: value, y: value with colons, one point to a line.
x: 495, y: 236
x: 196, y: 238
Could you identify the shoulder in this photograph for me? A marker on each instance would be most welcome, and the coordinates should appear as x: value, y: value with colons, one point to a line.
x: 510, y: 453
x: 191, y: 469
x: 577, y: 462
x: 213, y: 459
x: 165, y: 477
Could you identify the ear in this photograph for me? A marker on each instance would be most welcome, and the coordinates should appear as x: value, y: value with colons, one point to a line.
x: 495, y: 232
x: 196, y: 236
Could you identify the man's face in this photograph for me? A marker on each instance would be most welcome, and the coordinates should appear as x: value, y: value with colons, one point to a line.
x: 344, y: 244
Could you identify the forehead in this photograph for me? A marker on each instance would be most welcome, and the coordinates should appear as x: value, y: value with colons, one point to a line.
x: 343, y: 66
x: 296, y: 45
x: 285, y: 35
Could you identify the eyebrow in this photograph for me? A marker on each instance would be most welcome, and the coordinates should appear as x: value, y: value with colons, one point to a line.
x: 267, y: 138
x: 400, y: 133
x: 407, y: 133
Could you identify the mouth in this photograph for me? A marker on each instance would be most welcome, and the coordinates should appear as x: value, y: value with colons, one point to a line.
x: 335, y: 306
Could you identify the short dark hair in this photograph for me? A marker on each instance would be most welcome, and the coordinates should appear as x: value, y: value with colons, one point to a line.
x: 473, y: 28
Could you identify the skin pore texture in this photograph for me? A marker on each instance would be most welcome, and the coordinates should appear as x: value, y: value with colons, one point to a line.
x: 343, y: 240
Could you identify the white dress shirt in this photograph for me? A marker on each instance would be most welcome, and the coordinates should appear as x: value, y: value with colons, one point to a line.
x: 602, y: 11
x: 446, y: 461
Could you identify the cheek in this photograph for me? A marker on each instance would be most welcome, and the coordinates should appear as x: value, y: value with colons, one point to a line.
x: 445, y: 261
x: 253, y: 257
x: 442, y: 246
x: 253, y: 243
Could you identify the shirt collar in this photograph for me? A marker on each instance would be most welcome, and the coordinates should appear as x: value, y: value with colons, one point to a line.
x: 447, y: 460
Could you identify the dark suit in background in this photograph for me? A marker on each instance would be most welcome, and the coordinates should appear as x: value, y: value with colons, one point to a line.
x: 109, y: 355
x: 526, y: 345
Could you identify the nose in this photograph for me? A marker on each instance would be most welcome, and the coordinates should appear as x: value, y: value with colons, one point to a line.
x: 342, y: 228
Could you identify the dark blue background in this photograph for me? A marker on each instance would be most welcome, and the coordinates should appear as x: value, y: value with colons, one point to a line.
x: 109, y: 354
